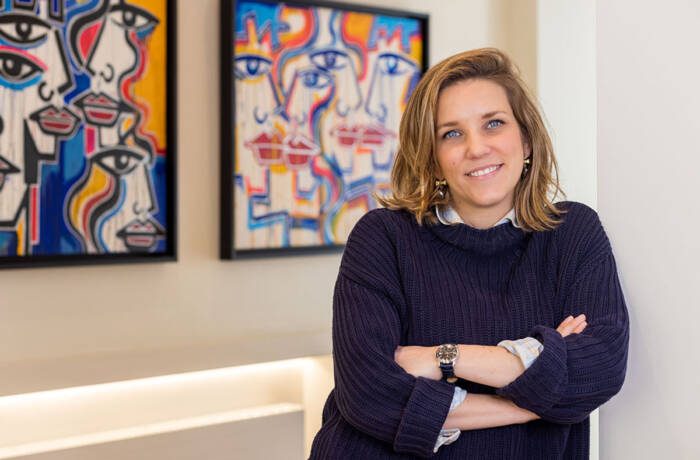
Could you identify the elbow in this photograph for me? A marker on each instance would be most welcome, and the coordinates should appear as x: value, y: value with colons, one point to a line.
x: 576, y: 411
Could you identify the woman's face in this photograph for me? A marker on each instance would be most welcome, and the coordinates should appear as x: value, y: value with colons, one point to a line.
x: 478, y: 133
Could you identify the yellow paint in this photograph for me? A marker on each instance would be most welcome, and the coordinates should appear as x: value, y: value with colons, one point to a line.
x: 96, y: 183
x: 150, y: 89
x: 416, y: 50
x: 20, y: 236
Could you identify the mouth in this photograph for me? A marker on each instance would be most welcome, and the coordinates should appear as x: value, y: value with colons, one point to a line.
x: 347, y: 135
x: 376, y: 135
x: 299, y: 151
x: 141, y: 236
x: 56, y: 122
x: 484, y: 172
x: 365, y: 135
x: 6, y: 168
x: 100, y: 109
x: 267, y: 148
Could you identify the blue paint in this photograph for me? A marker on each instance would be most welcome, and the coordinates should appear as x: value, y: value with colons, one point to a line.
x: 265, y: 16
x: 387, y: 25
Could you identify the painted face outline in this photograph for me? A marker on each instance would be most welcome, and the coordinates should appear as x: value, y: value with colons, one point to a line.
x: 125, y: 223
x: 392, y: 70
x: 324, y: 76
x: 31, y: 113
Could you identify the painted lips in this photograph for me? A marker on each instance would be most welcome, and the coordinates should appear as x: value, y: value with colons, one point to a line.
x: 363, y: 135
x: 296, y: 151
x: 55, y: 121
x: 141, y: 236
x: 99, y: 109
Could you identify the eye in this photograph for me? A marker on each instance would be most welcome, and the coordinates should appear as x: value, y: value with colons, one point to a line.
x: 494, y: 123
x: 132, y: 18
x: 330, y: 59
x: 22, y: 30
x: 315, y: 79
x: 119, y: 161
x: 250, y: 66
x: 393, y: 64
x: 17, y: 71
x: 450, y: 134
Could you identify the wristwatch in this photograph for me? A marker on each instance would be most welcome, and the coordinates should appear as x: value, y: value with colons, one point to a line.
x: 446, y: 355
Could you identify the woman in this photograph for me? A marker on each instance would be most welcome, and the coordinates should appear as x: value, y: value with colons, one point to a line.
x: 468, y: 255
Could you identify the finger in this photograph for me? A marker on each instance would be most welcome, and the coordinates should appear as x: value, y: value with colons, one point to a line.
x: 580, y: 327
x: 566, y: 321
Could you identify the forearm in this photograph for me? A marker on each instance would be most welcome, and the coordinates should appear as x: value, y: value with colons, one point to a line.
x: 488, y: 365
x: 486, y: 411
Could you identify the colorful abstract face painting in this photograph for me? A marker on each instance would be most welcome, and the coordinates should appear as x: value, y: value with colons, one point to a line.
x: 319, y: 94
x: 83, y: 150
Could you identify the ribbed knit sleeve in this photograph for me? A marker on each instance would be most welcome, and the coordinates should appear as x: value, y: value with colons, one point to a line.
x: 373, y: 393
x: 576, y: 374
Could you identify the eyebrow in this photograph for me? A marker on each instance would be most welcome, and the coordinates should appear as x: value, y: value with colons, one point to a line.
x: 484, y: 116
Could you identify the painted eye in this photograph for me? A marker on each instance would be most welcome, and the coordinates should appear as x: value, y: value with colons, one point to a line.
x: 330, y: 59
x: 393, y: 64
x: 22, y: 30
x: 119, y: 161
x: 315, y: 79
x: 132, y: 18
x: 250, y: 66
x: 17, y: 71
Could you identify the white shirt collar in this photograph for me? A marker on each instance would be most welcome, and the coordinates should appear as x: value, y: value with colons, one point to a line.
x: 448, y: 216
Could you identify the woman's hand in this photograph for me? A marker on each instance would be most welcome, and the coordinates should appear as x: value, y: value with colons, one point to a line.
x: 418, y: 361
x: 572, y: 325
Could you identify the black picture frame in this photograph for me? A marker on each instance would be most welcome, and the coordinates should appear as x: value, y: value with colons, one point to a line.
x: 170, y: 252
x: 228, y: 249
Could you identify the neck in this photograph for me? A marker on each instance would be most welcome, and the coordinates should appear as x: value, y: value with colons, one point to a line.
x: 482, y: 218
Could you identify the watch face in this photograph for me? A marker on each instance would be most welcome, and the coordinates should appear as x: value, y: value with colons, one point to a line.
x: 446, y: 354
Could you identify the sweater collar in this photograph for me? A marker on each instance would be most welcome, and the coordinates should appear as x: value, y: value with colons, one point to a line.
x: 499, y: 238
x: 447, y: 215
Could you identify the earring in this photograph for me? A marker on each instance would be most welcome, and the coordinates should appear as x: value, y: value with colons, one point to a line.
x: 441, y: 185
x: 526, y: 168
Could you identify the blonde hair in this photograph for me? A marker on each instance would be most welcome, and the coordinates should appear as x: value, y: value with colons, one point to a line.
x: 414, y: 172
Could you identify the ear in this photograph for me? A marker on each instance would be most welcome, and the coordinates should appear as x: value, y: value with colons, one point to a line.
x: 527, y: 151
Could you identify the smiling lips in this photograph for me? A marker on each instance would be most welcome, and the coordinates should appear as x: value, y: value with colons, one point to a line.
x: 484, y: 172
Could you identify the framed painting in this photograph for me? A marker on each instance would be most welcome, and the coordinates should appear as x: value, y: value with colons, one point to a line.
x: 87, y: 131
x: 313, y: 93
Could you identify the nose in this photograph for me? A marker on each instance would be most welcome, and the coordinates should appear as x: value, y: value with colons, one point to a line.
x: 99, y: 63
x: 145, y: 199
x: 375, y: 105
x: 268, y: 104
x: 350, y: 99
x: 293, y: 107
x: 476, y: 145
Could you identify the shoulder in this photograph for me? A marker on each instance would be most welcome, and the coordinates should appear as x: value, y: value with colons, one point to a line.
x: 370, y: 254
x: 581, y: 231
x: 380, y: 222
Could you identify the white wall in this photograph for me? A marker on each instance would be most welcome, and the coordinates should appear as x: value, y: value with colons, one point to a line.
x: 566, y: 87
x: 648, y: 188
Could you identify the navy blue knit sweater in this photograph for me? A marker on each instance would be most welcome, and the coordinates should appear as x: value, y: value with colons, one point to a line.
x: 405, y: 284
